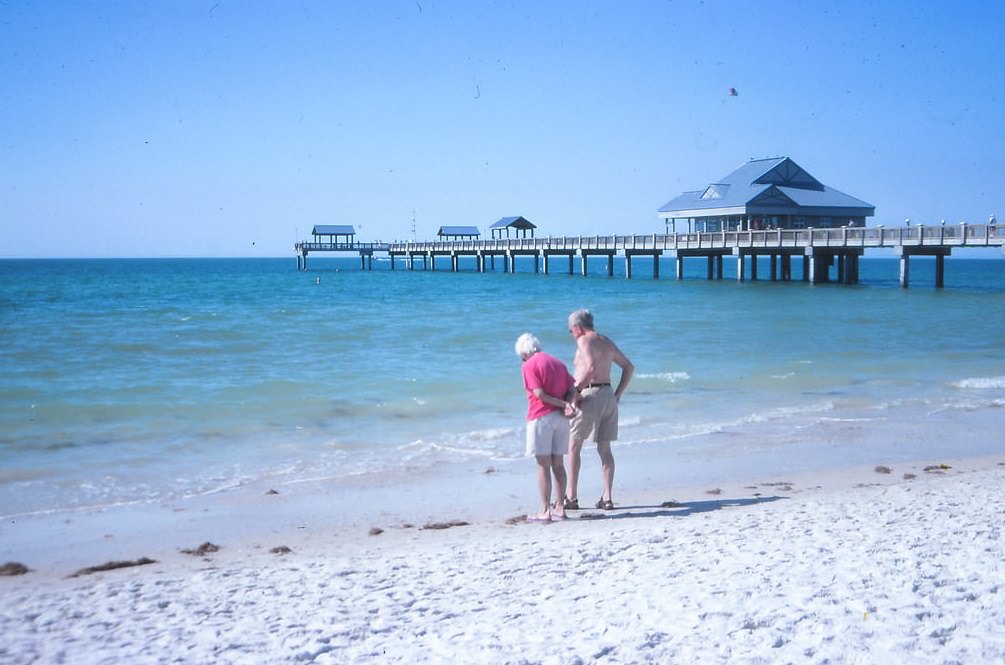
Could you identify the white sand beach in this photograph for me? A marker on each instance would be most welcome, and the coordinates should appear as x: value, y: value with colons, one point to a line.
x: 856, y: 566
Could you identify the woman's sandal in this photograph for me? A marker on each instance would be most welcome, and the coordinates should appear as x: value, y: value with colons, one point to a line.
x: 571, y: 504
x: 605, y: 505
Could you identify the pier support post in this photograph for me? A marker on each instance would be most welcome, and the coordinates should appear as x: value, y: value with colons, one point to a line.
x: 583, y: 265
x: 628, y: 266
x: 753, y: 267
x: 656, y: 266
x: 938, y: 253
x: 610, y: 265
x: 853, y: 268
x: 774, y: 267
x: 740, y: 268
x: 679, y: 267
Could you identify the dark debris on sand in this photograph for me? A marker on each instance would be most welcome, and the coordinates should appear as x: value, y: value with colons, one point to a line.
x: 883, y: 469
x: 437, y: 526
x: 12, y: 568
x: 375, y: 531
x: 113, y: 565
x: 282, y: 549
x: 203, y: 550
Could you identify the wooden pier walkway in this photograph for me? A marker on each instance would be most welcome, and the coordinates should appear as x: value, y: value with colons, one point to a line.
x: 820, y: 250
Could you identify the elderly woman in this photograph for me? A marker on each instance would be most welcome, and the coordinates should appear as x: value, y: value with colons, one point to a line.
x: 551, y: 401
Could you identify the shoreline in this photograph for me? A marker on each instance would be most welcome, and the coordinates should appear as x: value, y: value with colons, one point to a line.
x: 259, y: 517
x: 840, y: 565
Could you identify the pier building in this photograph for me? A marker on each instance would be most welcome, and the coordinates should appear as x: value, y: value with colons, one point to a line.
x: 765, y: 194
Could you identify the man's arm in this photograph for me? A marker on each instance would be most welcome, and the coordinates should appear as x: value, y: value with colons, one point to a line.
x: 585, y: 364
x: 627, y: 372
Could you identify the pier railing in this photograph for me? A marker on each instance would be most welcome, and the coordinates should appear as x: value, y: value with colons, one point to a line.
x: 341, y: 247
x: 956, y: 235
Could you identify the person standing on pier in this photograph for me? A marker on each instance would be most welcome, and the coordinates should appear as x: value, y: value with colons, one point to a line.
x: 550, y: 398
x: 598, y: 408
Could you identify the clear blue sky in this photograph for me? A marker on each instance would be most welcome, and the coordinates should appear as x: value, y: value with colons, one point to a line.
x: 225, y: 128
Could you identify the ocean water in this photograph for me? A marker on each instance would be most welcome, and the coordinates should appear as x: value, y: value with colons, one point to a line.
x: 130, y: 381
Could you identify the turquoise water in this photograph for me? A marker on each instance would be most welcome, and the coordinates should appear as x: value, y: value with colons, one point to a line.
x: 149, y: 380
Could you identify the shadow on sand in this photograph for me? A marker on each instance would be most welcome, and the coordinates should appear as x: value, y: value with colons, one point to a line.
x: 675, y: 509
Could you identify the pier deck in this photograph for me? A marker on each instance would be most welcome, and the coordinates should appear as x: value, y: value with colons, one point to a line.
x: 819, y: 249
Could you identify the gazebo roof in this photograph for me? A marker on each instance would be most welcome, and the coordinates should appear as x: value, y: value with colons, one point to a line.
x: 514, y: 223
x: 458, y: 231
x: 776, y: 186
x: 334, y: 230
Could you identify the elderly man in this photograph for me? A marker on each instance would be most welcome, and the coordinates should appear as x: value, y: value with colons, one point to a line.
x: 598, y: 407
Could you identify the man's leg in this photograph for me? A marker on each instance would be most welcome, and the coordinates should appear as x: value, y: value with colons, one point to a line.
x: 544, y: 483
x: 575, y: 461
x: 558, y: 469
x: 607, y: 468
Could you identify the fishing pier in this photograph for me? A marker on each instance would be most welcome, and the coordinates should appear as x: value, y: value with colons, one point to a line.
x: 823, y: 255
x: 769, y: 208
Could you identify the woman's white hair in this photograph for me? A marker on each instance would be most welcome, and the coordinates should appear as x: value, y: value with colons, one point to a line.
x: 527, y: 345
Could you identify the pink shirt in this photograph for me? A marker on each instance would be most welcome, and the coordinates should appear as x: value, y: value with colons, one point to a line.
x: 549, y: 374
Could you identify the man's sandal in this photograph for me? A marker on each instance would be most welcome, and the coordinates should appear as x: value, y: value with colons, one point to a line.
x: 571, y: 504
x: 605, y: 505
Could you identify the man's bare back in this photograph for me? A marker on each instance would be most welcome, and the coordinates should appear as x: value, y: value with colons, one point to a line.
x: 595, y: 354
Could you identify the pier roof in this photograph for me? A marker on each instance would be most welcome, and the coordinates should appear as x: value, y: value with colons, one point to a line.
x: 519, y: 222
x: 334, y: 230
x: 776, y: 186
x: 455, y: 231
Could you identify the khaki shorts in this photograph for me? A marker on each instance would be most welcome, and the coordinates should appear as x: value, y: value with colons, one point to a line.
x: 598, y: 415
x: 548, y: 435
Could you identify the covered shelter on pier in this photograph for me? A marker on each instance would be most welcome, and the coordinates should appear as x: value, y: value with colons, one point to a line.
x: 458, y: 233
x: 522, y: 228
x: 335, y: 233
x: 764, y: 194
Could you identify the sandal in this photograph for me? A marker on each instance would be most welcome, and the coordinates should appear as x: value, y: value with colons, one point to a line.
x: 605, y: 505
x: 571, y: 504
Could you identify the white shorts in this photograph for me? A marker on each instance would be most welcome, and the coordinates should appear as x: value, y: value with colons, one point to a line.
x: 548, y: 435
